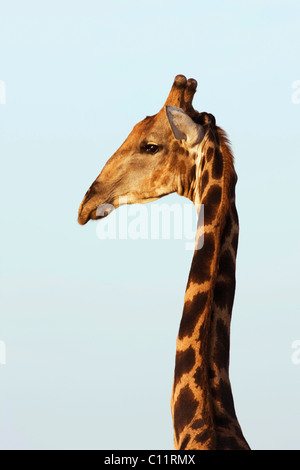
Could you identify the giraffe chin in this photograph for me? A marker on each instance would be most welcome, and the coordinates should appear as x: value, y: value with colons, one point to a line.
x: 95, y: 214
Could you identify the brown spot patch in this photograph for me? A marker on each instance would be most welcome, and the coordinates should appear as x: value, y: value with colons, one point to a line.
x: 202, y: 163
x: 201, y: 263
x: 193, y: 172
x: 224, y: 291
x: 198, y: 424
x: 200, y: 378
x: 217, y: 170
x: 203, y: 436
x: 184, y: 410
x: 227, y: 229
x: 235, y: 241
x: 209, y: 153
x: 221, y: 353
x: 191, y: 312
x: 185, y: 442
x: 220, y: 294
x: 211, y: 373
x: 211, y: 203
x: 227, y: 265
x: 204, y: 181
x: 224, y: 395
x: 228, y: 442
x: 220, y: 419
x: 176, y: 148
x: 185, y: 361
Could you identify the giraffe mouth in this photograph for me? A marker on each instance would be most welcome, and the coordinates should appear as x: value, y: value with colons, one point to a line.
x: 96, y: 214
x: 103, y: 210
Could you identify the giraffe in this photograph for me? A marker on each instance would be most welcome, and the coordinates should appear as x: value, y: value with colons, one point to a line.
x: 184, y: 151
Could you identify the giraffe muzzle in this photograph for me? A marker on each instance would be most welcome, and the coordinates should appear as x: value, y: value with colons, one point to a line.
x: 94, y: 206
x: 102, y: 211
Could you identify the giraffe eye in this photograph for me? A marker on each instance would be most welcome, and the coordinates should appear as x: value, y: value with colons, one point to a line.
x: 150, y: 148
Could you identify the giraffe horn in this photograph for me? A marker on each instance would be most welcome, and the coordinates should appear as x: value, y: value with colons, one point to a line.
x: 190, y: 90
x: 175, y: 97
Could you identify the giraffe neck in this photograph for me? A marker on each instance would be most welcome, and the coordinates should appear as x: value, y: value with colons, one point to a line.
x: 228, y: 431
x: 202, y: 403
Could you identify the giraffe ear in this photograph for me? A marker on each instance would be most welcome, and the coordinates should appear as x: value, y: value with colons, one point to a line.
x: 183, y: 127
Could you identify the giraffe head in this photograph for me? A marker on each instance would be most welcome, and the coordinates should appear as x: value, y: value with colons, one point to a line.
x: 158, y: 157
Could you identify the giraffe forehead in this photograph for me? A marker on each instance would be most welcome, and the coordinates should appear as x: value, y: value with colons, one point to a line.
x: 150, y: 124
x: 153, y: 128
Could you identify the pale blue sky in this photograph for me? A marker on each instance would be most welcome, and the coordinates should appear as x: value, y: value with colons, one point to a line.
x: 90, y: 326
